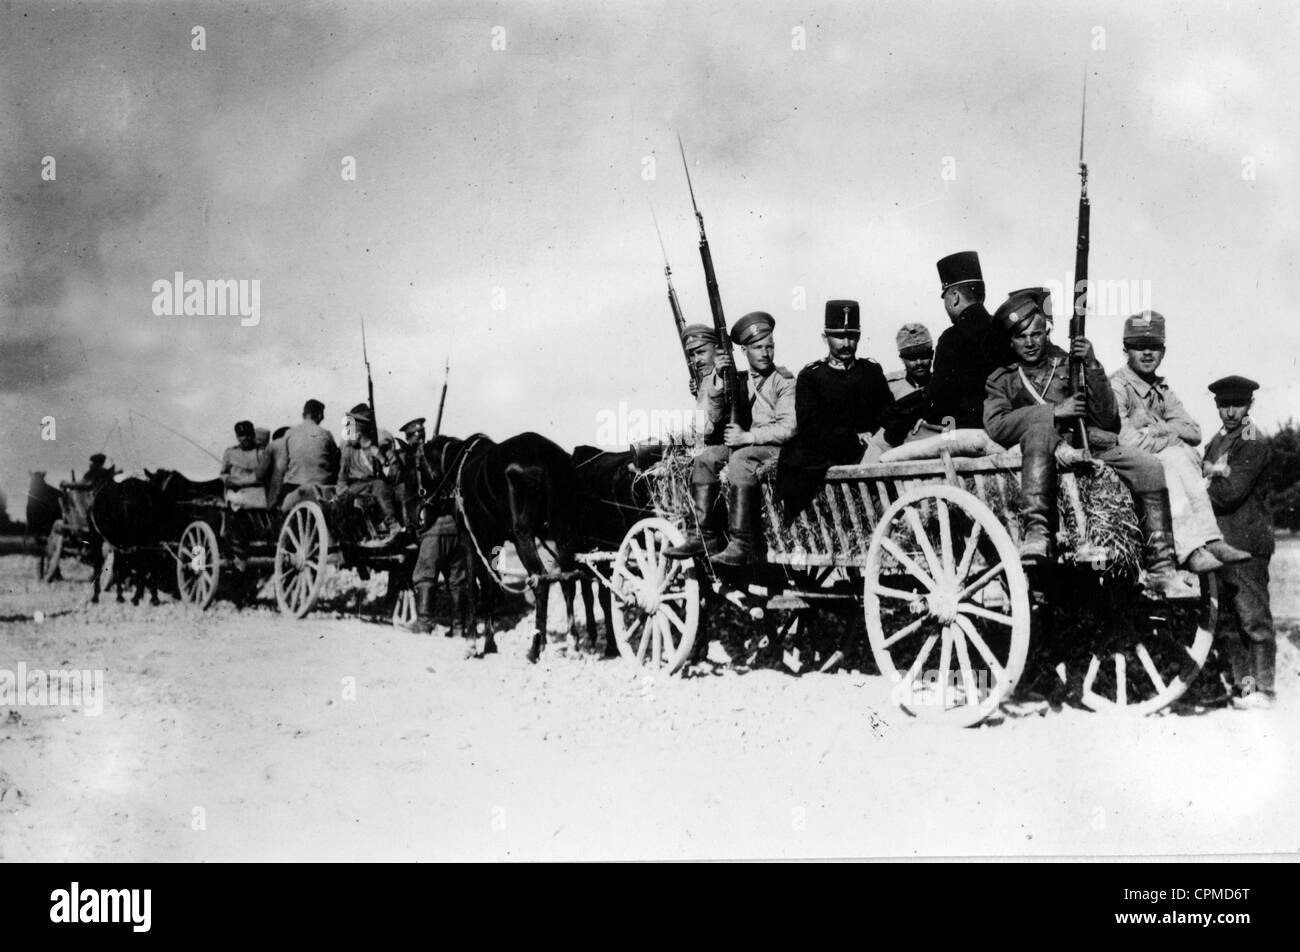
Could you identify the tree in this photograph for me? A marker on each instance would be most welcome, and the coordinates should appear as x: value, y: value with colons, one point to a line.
x: 1281, y: 482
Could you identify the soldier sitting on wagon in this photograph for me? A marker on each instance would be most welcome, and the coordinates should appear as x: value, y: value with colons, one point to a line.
x: 1027, y: 401
x: 909, y: 386
x: 98, y: 473
x: 310, y: 458
x: 772, y: 402
x: 366, y: 464
x: 1153, y: 419
x: 245, y: 470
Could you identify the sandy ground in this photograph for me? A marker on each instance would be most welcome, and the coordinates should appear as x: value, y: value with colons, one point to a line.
x: 237, y: 736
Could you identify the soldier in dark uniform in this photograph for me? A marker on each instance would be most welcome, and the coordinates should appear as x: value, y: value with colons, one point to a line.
x: 968, y: 351
x: 98, y: 473
x: 840, y: 401
x: 1235, y: 461
x: 1025, y: 404
x: 443, y: 550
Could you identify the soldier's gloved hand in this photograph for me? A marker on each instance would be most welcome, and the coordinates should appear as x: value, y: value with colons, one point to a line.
x: 1081, y: 348
x: 734, y: 437
x: 1071, y: 407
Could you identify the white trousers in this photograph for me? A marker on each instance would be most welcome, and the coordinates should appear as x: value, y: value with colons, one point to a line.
x: 1189, y: 503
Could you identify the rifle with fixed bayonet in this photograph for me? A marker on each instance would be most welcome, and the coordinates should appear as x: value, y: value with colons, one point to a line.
x: 442, y: 401
x: 1079, y: 311
x: 737, y: 398
x: 678, y: 319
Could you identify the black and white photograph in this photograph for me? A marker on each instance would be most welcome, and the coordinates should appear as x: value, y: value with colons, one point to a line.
x: 590, y: 432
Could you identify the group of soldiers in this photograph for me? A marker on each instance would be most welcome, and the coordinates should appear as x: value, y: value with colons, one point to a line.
x: 999, y: 374
x: 278, y: 470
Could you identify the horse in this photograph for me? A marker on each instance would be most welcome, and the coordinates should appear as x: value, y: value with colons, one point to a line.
x: 612, y: 501
x: 174, y: 487
x: 521, y: 490
x: 134, y: 517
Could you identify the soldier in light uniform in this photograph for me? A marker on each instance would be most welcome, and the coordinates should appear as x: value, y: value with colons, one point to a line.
x: 444, y: 549
x: 700, y: 344
x: 1025, y: 404
x: 1153, y: 419
x: 772, y: 409
x: 365, y: 466
x: 909, y: 385
x: 1235, y: 461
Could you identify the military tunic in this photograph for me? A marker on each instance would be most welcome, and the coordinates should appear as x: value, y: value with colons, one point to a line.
x: 835, y: 407
x: 1245, y: 617
x: 967, y: 352
x: 1012, y: 416
x: 772, y: 412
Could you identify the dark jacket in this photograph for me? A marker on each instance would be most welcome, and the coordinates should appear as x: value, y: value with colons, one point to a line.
x: 964, y: 357
x: 1238, y: 498
x: 1010, y: 410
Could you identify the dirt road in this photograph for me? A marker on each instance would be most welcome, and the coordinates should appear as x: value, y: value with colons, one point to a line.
x: 228, y: 736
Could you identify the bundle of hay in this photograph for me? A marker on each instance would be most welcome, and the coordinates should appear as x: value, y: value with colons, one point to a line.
x: 668, y: 482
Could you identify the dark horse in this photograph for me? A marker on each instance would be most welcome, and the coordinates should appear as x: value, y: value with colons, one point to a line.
x: 521, y: 490
x: 131, y: 516
x: 612, y: 501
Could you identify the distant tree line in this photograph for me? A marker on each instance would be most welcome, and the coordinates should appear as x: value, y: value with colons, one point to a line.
x: 1282, y: 480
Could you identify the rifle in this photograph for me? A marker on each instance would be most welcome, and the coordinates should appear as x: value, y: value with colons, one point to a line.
x: 737, y: 398
x: 370, y: 384
x: 442, y: 401
x: 676, y: 310
x: 1079, y: 313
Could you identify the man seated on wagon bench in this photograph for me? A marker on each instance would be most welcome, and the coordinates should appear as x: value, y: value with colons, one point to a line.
x: 772, y: 404
x: 245, y: 470
x: 1028, y: 400
x: 366, y: 464
x: 310, y: 457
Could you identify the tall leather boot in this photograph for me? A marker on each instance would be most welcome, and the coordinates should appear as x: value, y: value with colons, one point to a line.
x: 1162, y: 577
x: 1038, y: 507
x: 1264, y: 656
x: 740, y: 551
x: 702, y: 538
x: 460, y: 620
x: 424, y: 600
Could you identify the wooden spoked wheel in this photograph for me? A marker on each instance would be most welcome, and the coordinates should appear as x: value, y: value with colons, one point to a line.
x: 1145, y: 654
x: 947, y: 605
x: 300, y: 556
x: 404, y: 614
x: 198, y: 565
x: 49, y: 566
x: 656, y: 599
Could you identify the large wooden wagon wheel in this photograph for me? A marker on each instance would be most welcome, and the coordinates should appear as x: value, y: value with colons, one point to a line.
x: 300, y: 556
x: 656, y: 599
x: 1143, y: 654
x: 198, y: 565
x: 49, y: 566
x: 942, y: 573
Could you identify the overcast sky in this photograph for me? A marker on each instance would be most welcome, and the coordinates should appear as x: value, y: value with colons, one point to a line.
x: 524, y: 171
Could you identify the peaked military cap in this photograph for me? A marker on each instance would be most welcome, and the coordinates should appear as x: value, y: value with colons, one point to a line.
x: 244, y: 428
x: 960, y: 268
x: 691, y: 331
x: 361, y: 412
x: 1233, y: 390
x: 752, y: 327
x: 843, y: 318
x: 1147, y: 326
x: 914, y: 340
x: 408, y: 429
x: 1020, y: 306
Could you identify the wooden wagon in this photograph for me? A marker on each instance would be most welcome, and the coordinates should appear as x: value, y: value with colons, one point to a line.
x: 203, y: 553
x: 73, y: 536
x: 929, y: 549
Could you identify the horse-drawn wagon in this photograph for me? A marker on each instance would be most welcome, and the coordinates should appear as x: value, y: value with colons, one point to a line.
x: 929, y: 550
x: 73, y: 535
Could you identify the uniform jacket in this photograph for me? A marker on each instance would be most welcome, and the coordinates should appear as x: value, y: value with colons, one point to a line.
x: 310, y: 455
x: 771, y: 403
x: 360, y: 464
x: 834, y: 406
x: 1010, y: 410
x: 1151, y: 417
x: 252, y: 470
x: 965, y: 355
x: 899, y: 385
x: 1238, y: 498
